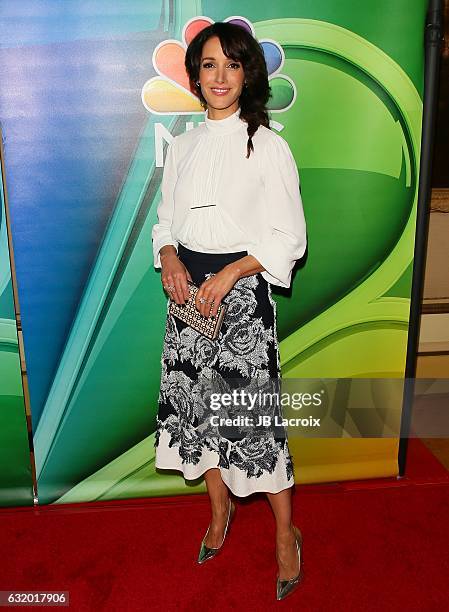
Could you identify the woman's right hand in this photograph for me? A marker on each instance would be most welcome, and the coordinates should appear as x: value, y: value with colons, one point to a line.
x: 174, y: 275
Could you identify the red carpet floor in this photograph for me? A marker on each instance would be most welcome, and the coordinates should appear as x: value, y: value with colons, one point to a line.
x: 373, y: 545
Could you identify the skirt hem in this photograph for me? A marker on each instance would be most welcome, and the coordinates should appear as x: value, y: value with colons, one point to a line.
x: 230, y: 487
x: 168, y: 458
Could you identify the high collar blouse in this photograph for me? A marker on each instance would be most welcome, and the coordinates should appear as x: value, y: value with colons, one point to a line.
x: 215, y: 200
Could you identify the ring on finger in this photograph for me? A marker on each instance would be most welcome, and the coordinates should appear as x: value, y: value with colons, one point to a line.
x: 202, y: 300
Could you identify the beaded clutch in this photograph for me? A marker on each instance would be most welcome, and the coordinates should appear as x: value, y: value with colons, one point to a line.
x: 188, y: 312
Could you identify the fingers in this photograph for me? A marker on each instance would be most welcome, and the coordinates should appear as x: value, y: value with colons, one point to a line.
x: 174, y: 280
x: 185, y: 286
x: 215, y: 306
x: 182, y: 288
x: 169, y: 286
x: 204, y: 305
x: 207, y: 299
x: 201, y: 299
x: 175, y: 285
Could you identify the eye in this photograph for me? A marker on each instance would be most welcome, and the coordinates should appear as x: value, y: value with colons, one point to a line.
x: 207, y: 64
x: 235, y: 65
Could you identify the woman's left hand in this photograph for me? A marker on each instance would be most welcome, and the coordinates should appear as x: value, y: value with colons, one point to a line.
x: 214, y: 289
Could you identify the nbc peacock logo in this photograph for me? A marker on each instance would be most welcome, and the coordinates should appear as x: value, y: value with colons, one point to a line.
x: 169, y: 92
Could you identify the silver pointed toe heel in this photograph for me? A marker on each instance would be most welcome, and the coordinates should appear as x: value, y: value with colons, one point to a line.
x: 285, y: 587
x: 207, y: 553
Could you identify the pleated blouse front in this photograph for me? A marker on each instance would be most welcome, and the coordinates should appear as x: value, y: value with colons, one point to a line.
x: 207, y: 225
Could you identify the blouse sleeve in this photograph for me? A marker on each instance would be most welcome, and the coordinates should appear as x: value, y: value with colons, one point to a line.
x: 161, y: 233
x: 284, y: 240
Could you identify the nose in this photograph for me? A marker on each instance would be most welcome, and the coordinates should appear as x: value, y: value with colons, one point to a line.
x: 220, y: 74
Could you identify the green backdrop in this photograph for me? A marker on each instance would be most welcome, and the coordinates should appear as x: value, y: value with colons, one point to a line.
x: 354, y: 126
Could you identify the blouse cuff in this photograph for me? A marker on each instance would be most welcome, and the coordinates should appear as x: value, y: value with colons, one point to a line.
x: 158, y: 243
x: 277, y: 260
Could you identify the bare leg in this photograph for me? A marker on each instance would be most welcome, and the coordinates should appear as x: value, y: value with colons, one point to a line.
x: 286, y: 553
x: 219, y: 500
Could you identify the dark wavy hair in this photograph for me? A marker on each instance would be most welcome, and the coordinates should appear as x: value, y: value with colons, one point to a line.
x: 239, y: 45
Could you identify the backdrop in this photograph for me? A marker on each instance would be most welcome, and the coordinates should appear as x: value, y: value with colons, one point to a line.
x: 91, y: 93
x: 16, y: 485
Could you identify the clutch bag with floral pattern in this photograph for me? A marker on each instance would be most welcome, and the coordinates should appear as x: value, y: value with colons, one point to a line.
x: 188, y: 312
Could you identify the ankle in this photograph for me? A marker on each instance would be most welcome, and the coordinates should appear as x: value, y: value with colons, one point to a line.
x: 220, y: 507
x: 285, y: 532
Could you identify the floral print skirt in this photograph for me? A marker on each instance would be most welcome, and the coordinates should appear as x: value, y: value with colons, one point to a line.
x: 246, y: 442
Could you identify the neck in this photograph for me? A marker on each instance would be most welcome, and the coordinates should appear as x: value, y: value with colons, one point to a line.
x: 221, y: 113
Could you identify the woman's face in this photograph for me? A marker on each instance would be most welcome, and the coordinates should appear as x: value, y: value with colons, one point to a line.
x: 221, y: 79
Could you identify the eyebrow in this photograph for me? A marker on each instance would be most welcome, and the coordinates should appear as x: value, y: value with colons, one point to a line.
x: 213, y: 58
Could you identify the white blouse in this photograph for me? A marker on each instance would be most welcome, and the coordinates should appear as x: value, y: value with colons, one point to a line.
x: 215, y: 200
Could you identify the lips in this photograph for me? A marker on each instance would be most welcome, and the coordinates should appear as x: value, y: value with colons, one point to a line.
x: 219, y: 92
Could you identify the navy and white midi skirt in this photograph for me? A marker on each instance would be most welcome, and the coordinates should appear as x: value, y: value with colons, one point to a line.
x: 251, y: 452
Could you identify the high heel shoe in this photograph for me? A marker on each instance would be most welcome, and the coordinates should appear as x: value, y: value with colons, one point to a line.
x: 207, y: 553
x: 285, y: 587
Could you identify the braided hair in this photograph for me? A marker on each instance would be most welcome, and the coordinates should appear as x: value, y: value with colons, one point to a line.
x: 239, y: 45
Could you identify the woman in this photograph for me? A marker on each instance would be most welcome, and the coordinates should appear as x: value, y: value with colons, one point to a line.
x: 231, y: 221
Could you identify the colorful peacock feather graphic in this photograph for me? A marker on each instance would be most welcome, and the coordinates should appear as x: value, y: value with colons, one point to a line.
x: 169, y: 93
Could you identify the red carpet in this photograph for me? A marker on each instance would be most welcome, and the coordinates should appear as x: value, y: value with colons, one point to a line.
x: 373, y: 545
